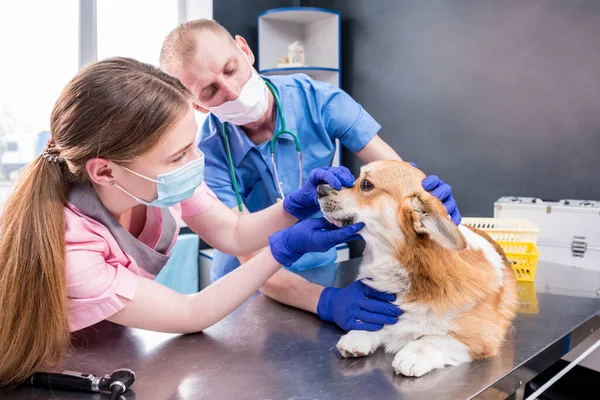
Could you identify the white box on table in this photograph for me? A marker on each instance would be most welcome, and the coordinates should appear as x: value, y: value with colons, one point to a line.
x: 569, y: 229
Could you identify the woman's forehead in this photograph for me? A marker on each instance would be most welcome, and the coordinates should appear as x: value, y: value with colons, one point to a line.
x: 182, y: 134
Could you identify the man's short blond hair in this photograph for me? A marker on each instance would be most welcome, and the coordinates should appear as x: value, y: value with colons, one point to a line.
x: 180, y: 44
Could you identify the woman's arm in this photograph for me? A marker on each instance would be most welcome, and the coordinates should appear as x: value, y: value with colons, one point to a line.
x: 239, y: 234
x: 156, y: 307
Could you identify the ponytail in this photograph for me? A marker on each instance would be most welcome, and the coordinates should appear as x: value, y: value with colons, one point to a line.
x: 117, y: 109
x: 34, y: 329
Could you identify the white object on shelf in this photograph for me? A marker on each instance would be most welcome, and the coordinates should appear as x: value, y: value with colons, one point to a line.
x: 317, y: 29
x: 569, y: 229
x: 505, y: 229
x: 296, y: 54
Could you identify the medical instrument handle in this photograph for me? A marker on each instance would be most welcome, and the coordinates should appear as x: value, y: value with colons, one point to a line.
x: 116, y: 383
x: 73, y: 381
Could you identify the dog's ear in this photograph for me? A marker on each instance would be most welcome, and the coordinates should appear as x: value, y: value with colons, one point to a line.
x: 429, y: 217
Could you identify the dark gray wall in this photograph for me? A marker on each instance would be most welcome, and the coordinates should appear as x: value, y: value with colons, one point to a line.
x: 240, y: 17
x: 496, y: 97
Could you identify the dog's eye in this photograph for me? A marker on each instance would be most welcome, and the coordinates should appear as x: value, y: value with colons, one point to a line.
x: 365, y: 185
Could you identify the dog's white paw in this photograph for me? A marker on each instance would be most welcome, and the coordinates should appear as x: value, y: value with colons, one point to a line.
x: 417, y: 359
x: 357, y: 344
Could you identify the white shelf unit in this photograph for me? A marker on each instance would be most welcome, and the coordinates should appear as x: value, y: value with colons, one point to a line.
x: 329, y: 75
x: 317, y: 29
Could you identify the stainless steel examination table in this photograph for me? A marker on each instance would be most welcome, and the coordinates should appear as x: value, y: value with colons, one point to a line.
x: 265, y: 350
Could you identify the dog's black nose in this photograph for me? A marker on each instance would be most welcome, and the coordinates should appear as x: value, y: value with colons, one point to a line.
x: 324, y: 190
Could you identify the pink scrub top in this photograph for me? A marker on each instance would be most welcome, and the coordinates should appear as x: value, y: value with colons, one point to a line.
x: 104, y: 259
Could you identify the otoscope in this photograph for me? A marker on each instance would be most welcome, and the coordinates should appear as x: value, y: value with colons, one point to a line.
x: 116, y: 383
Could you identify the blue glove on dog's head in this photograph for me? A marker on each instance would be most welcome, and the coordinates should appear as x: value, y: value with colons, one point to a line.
x: 443, y: 192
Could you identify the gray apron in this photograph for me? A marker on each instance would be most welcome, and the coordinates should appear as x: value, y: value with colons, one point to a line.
x: 84, y: 197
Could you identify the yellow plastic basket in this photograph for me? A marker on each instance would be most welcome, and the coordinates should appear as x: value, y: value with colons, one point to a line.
x: 505, y: 229
x: 523, y: 257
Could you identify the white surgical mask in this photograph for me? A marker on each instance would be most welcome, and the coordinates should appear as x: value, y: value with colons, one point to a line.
x: 251, y: 104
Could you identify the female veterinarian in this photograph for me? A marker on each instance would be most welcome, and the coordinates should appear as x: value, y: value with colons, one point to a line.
x: 96, y: 215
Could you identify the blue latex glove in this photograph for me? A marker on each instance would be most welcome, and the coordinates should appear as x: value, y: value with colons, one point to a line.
x: 438, y: 188
x: 303, y: 202
x: 358, y: 307
x: 311, y: 235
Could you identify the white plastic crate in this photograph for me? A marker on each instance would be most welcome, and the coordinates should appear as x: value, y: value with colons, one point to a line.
x: 569, y: 229
x: 505, y: 229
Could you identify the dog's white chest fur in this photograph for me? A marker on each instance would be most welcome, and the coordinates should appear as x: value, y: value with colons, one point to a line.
x: 417, y: 320
x: 420, y: 339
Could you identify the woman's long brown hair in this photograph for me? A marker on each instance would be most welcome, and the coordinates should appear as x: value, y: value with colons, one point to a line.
x: 117, y: 109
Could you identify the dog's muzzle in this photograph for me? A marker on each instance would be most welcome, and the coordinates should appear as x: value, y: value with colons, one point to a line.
x: 331, y: 208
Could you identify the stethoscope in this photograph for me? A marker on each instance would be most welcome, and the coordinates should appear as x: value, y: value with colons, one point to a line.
x: 273, y: 140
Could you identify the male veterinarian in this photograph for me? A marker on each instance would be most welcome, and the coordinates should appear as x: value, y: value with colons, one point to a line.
x: 236, y: 141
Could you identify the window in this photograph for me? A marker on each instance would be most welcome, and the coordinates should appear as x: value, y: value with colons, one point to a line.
x: 134, y: 28
x: 137, y: 28
x: 12, y: 146
x: 39, y: 47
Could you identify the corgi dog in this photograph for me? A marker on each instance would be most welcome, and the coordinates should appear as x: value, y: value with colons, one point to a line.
x: 454, y: 284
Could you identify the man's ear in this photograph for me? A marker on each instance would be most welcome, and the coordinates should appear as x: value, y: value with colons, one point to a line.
x: 241, y: 42
x: 429, y: 218
x: 199, y: 108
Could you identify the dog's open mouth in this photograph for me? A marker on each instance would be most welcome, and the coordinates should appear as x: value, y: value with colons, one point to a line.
x: 341, y: 221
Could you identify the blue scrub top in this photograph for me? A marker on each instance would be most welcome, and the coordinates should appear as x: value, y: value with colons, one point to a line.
x: 318, y: 113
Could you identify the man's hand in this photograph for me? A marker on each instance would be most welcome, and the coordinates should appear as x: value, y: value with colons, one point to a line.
x: 358, y: 307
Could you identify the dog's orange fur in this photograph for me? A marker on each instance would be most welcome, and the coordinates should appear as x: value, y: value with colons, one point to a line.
x: 484, y: 327
x: 461, y: 280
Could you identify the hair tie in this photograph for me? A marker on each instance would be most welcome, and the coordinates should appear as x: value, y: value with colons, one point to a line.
x: 51, y: 152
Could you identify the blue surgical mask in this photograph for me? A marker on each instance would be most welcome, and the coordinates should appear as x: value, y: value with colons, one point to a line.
x: 175, y: 186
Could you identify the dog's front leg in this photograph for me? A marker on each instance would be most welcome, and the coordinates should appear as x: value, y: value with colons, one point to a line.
x: 358, y: 343
x: 428, y: 353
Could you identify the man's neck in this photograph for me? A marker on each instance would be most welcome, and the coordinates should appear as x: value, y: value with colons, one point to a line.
x: 262, y: 130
